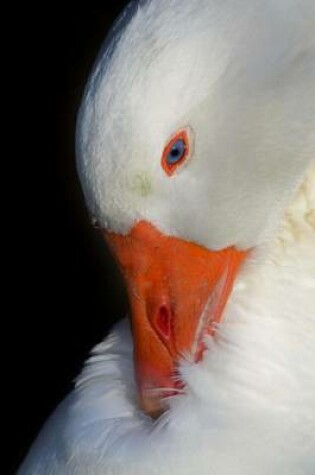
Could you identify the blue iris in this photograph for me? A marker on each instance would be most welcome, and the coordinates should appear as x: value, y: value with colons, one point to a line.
x: 177, y: 152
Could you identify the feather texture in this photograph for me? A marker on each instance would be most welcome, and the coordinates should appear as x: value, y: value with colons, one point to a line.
x: 249, y: 407
x: 241, y: 75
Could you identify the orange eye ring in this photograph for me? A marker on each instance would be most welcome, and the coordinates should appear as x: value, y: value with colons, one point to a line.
x: 176, y: 152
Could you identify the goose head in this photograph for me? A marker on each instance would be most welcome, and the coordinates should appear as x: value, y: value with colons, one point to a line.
x: 195, y: 130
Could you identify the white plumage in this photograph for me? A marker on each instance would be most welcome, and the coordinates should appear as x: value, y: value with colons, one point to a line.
x: 241, y: 74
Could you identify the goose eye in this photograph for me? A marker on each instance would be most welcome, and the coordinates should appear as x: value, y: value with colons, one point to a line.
x: 176, y: 152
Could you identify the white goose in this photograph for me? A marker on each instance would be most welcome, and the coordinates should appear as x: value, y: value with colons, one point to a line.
x: 196, y: 146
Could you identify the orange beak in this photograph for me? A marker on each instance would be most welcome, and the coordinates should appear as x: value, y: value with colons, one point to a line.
x: 177, y: 292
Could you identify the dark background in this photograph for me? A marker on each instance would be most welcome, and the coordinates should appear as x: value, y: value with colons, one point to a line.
x: 62, y: 289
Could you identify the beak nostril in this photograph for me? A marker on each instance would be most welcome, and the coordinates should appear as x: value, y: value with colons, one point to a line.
x: 163, y: 322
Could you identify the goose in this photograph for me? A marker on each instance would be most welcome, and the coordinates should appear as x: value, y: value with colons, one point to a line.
x: 195, y: 150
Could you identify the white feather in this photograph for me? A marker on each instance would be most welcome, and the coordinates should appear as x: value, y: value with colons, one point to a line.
x: 241, y: 75
x: 249, y: 407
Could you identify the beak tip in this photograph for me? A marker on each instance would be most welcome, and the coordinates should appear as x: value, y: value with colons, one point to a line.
x: 152, y: 406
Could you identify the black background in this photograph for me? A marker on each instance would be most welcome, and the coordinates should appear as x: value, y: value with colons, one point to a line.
x: 62, y: 289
